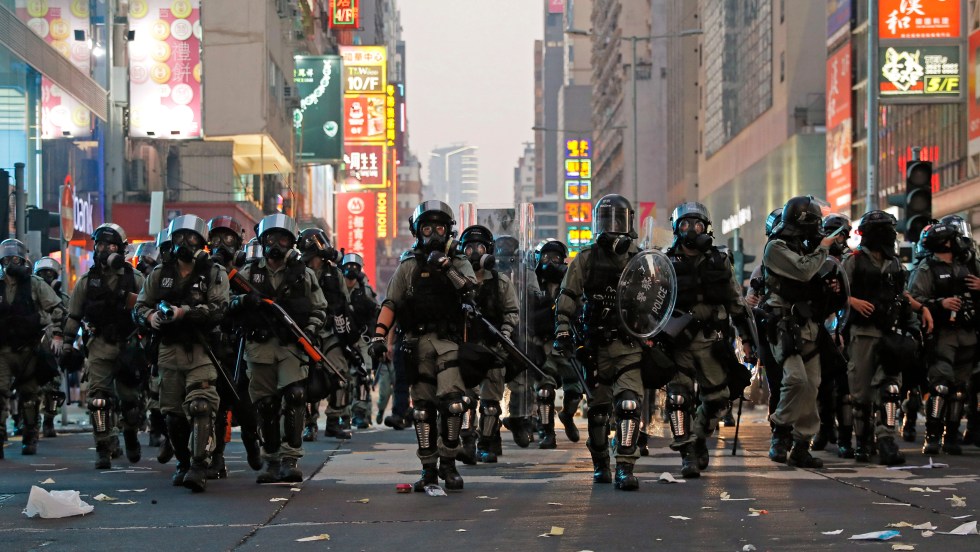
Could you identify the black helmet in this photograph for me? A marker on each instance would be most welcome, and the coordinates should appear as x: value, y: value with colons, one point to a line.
x: 877, y: 231
x: 772, y: 221
x: 874, y: 218
x: 935, y: 238
x: 506, y: 250
x: 314, y: 242
x: 277, y: 224
x: 550, y: 245
x: 921, y: 251
x: 690, y: 209
x: 435, y: 212
x: 964, y: 234
x: 476, y: 243
x: 549, y: 261
x: 613, y: 214
x: 834, y: 221
x: 801, y: 217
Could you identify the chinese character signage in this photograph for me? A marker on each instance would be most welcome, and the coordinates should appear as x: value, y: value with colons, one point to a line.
x: 364, y: 118
x: 345, y: 14
x: 839, y: 116
x: 365, y: 165
x: 365, y: 69
x: 57, y: 22
x: 165, y: 68
x: 319, y: 118
x: 578, y: 192
x: 556, y: 6
x: 917, y: 19
x: 357, y: 215
x: 925, y: 73
x: 973, y: 95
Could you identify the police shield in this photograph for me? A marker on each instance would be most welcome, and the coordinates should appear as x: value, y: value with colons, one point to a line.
x: 646, y: 295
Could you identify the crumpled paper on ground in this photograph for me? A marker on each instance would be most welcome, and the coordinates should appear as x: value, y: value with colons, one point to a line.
x: 55, y: 504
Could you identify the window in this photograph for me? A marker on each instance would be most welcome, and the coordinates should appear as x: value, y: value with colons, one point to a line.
x: 782, y: 66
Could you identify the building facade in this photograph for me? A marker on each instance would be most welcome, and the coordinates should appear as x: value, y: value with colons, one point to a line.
x: 453, y: 175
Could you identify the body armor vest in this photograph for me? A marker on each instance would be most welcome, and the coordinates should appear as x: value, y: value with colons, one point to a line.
x: 191, y: 292
x: 365, y: 308
x: 20, y: 321
x: 543, y: 318
x: 883, y: 289
x: 331, y: 282
x: 291, y: 295
x: 488, y: 301
x: 105, y: 309
x: 431, y: 299
x: 706, y: 282
x: 601, y: 281
x: 791, y: 290
x: 949, y: 280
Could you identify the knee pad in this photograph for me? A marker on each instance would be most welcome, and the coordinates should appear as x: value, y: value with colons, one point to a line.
x: 425, y: 422
x: 132, y: 414
x: 268, y: 407
x: 546, y: 394
x: 628, y: 405
x: 424, y: 412
x: 598, y: 417
x: 453, y: 404
x: 100, y: 401
x: 295, y: 394
x: 490, y: 408
x: 199, y: 407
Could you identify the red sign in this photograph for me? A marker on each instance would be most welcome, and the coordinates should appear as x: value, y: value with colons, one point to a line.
x: 918, y: 19
x: 365, y: 165
x: 973, y: 97
x: 364, y: 118
x: 556, y: 6
x: 839, y: 115
x: 647, y: 210
x: 345, y: 14
x: 67, y: 209
x: 357, y: 215
x: 578, y: 212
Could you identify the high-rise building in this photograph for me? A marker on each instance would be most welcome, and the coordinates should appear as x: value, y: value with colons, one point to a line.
x: 453, y: 175
x: 683, y: 96
x: 524, y: 176
x: 762, y: 111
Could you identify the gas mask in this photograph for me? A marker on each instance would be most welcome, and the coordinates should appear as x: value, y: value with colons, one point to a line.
x: 693, y: 234
x: 550, y: 272
x: 19, y: 272
x: 433, y: 236
x: 479, y: 258
x: 111, y: 260
x: 879, y: 239
x: 353, y: 272
x: 276, y: 244
x: 616, y: 243
x: 944, y: 247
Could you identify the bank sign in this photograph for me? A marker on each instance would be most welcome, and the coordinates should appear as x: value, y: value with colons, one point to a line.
x: 920, y: 74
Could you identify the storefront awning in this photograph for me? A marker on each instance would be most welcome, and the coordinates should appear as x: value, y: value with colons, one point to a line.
x: 256, y: 154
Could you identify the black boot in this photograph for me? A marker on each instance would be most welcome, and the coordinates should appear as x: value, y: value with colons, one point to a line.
x: 179, y: 433
x: 309, y: 432
x: 484, y: 451
x: 689, y: 462
x: 625, y: 480
x: 196, y: 478
x: 951, y: 440
x: 28, y: 445
x: 335, y: 429
x: 48, y: 426
x: 567, y: 417
x: 467, y: 451
x: 430, y: 476
x: 844, y: 448
x: 289, y: 472
x: 448, y: 473
x: 800, y: 456
x: 395, y: 422
x: 133, y: 450
x: 253, y: 452
x: 701, y: 451
x: 780, y: 443
x: 934, y: 436
x: 520, y: 427
x: 271, y: 473
x: 600, y: 469
x: 888, y: 453
x: 865, y: 447
x: 103, y: 459
x: 643, y: 443
x: 166, y: 451
x: 824, y: 436
x: 217, y: 469
x: 158, y: 427
x: 548, y: 438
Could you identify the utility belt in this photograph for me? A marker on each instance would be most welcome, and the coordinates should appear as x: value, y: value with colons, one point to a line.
x: 449, y: 331
x: 784, y: 327
x: 604, y: 336
x: 683, y: 328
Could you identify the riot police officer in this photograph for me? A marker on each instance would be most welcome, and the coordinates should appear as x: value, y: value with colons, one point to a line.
x: 49, y: 270
x: 147, y: 257
x: 320, y: 256
x: 276, y: 364
x: 711, y: 300
x: 833, y: 400
x: 184, y: 300
x: 550, y: 269
x: 947, y: 283
x: 881, y: 329
x: 363, y: 313
x: 754, y: 297
x: 225, y: 237
x: 496, y: 299
x: 425, y: 296
x: 29, y: 309
x: 103, y: 298
x: 593, y: 277
x: 799, y: 300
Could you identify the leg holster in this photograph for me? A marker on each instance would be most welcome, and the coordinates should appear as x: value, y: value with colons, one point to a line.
x: 451, y: 410
x: 545, y: 401
x: 425, y: 428
x: 889, y: 404
x: 294, y: 414
x: 598, y: 418
x: 202, y: 429
x: 628, y: 426
x: 267, y: 410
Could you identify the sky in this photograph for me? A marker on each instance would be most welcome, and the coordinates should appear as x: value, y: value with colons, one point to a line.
x: 470, y: 78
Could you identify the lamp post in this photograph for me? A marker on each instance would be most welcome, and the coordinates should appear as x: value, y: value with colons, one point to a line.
x: 633, y: 40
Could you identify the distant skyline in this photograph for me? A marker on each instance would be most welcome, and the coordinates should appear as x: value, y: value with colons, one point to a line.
x: 470, y: 79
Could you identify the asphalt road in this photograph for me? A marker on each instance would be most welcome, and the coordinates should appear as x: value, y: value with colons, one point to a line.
x: 349, y: 494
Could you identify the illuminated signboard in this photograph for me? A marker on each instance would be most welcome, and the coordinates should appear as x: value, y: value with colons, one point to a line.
x: 356, y: 228
x: 165, y: 69
x: 365, y: 165
x: 578, y: 192
x: 920, y: 74
x: 345, y: 14
x: 915, y: 19
x: 319, y: 117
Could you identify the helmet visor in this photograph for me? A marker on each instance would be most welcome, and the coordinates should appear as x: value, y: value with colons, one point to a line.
x: 962, y: 228
x: 613, y: 220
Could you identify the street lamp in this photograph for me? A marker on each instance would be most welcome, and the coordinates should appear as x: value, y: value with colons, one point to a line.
x: 633, y: 40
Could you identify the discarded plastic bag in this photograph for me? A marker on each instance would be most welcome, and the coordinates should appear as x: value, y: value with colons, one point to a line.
x: 55, y: 504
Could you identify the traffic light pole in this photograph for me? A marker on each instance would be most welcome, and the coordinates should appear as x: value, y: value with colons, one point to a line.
x: 871, y: 193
